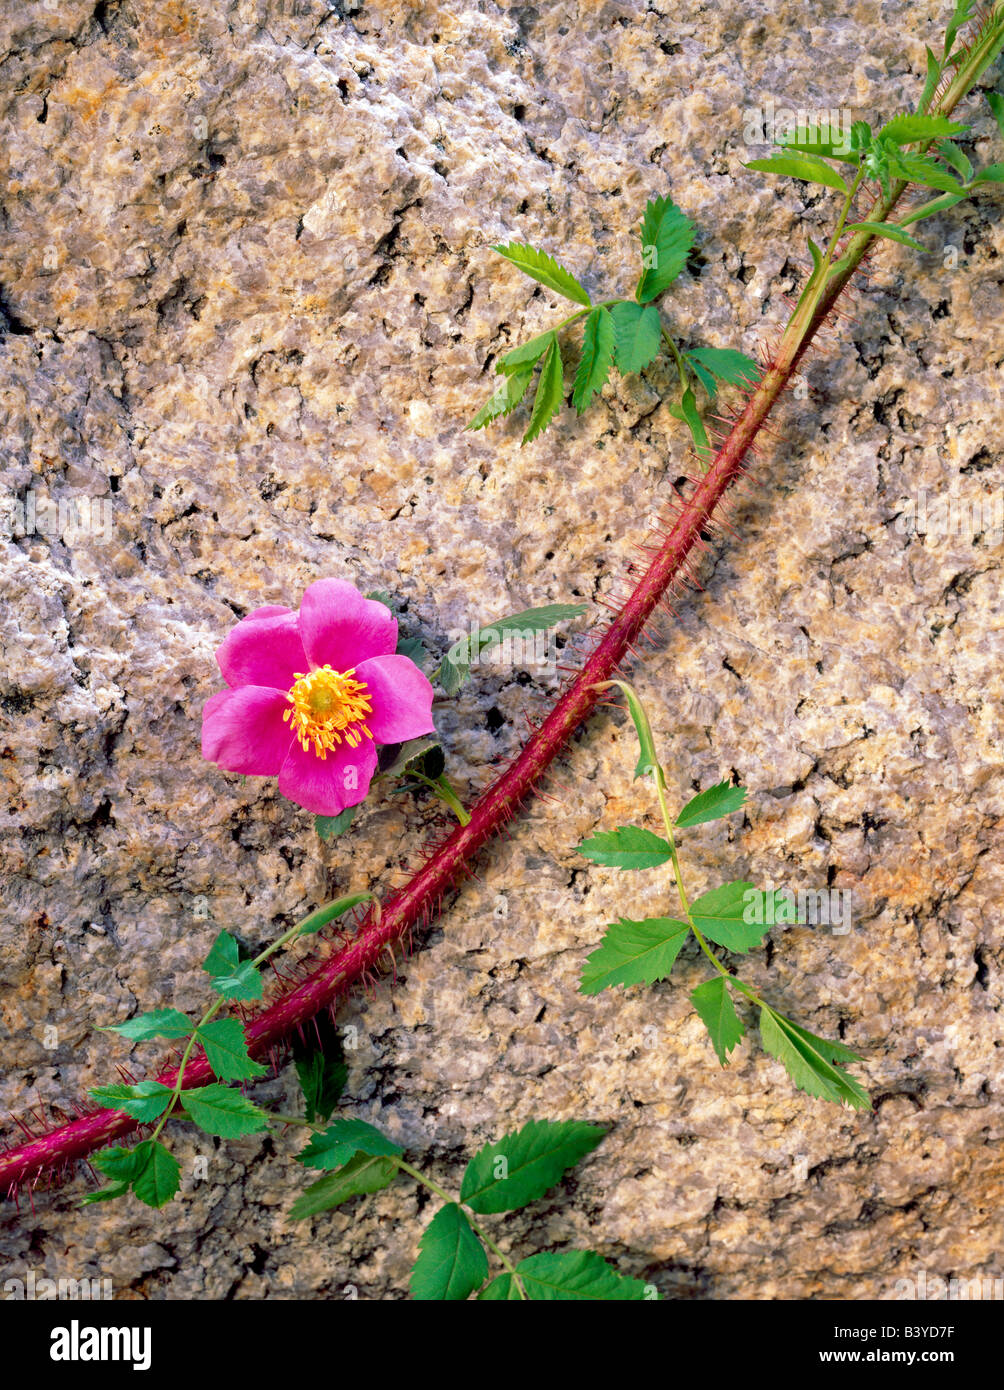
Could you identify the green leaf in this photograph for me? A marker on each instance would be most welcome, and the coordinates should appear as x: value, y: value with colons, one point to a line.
x: 564, y: 1276
x: 714, y: 1004
x: 907, y: 130
x: 637, y: 335
x: 105, y: 1194
x: 726, y: 364
x: 329, y: 826
x: 342, y: 1140
x: 550, y: 393
x: 382, y: 596
x: 703, y: 375
x: 813, y: 142
x: 158, y: 1173
x: 118, y: 1163
x: 634, y: 953
x: 627, y: 847
x: 807, y: 1060
x: 886, y: 229
x: 993, y: 173
x: 224, y: 955
x: 158, y: 1023
x: 219, y: 1110
x: 962, y: 13
x: 338, y: 907
x: 721, y: 914
x: 414, y: 649
x: 997, y: 107
x: 929, y: 209
x: 711, y: 804
x: 807, y: 167
x: 918, y: 168
x: 456, y: 665
x: 320, y: 1068
x: 360, y: 1175
x: 667, y: 235
x: 226, y: 1050
x: 597, y: 357
x: 527, y: 355
x: 506, y: 398
x: 957, y: 158
x: 522, y: 1166
x: 648, y: 760
x: 145, y: 1101
x: 545, y: 269
x: 687, y: 412
x: 451, y: 1262
x: 930, y: 83
x: 245, y: 982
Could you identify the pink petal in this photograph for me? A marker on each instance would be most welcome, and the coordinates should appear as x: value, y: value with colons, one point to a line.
x: 401, y: 698
x: 269, y: 610
x: 243, y: 730
x: 328, y: 786
x: 340, y: 628
x: 263, y: 651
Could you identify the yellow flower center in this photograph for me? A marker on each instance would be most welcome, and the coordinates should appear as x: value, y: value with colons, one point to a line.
x: 326, y: 707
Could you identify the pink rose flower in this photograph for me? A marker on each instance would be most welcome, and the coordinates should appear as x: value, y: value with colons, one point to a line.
x: 311, y: 695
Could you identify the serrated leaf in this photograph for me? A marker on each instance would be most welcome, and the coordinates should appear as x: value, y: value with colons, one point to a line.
x: 711, y: 804
x: 687, y: 412
x: 634, y: 953
x: 806, y: 1059
x: 410, y: 752
x: 550, y: 393
x: 627, y: 847
x: 456, y: 665
x: 960, y: 15
x: 813, y: 142
x: 119, y: 1163
x: 224, y: 955
x: 451, y: 1262
x: 714, y: 1005
x: 929, y: 209
x: 342, y: 1140
x: 667, y: 235
x: 996, y: 102
x: 360, y: 1175
x: 243, y: 983
x: 330, y: 826
x: 721, y: 913
x: 506, y: 398
x: 145, y: 1101
x: 637, y: 335
x: 597, y: 357
x: 226, y: 1050
x: 727, y: 365
x: 320, y: 1068
x: 105, y: 1194
x: 158, y: 1023
x: 158, y: 1173
x: 886, y: 229
x: 382, y: 596
x: 522, y: 1166
x: 957, y: 158
x: 918, y: 168
x: 807, y: 167
x: 907, y: 130
x: 527, y: 354
x: 544, y: 269
x: 565, y: 1276
x: 219, y: 1110
x: 930, y: 82
x: 993, y: 173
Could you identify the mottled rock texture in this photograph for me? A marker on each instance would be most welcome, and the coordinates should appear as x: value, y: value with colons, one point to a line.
x: 249, y: 299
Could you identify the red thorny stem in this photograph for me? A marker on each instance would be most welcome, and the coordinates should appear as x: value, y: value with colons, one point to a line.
x: 416, y: 902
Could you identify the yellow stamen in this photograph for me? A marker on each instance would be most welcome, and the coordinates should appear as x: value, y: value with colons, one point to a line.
x: 327, y: 707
